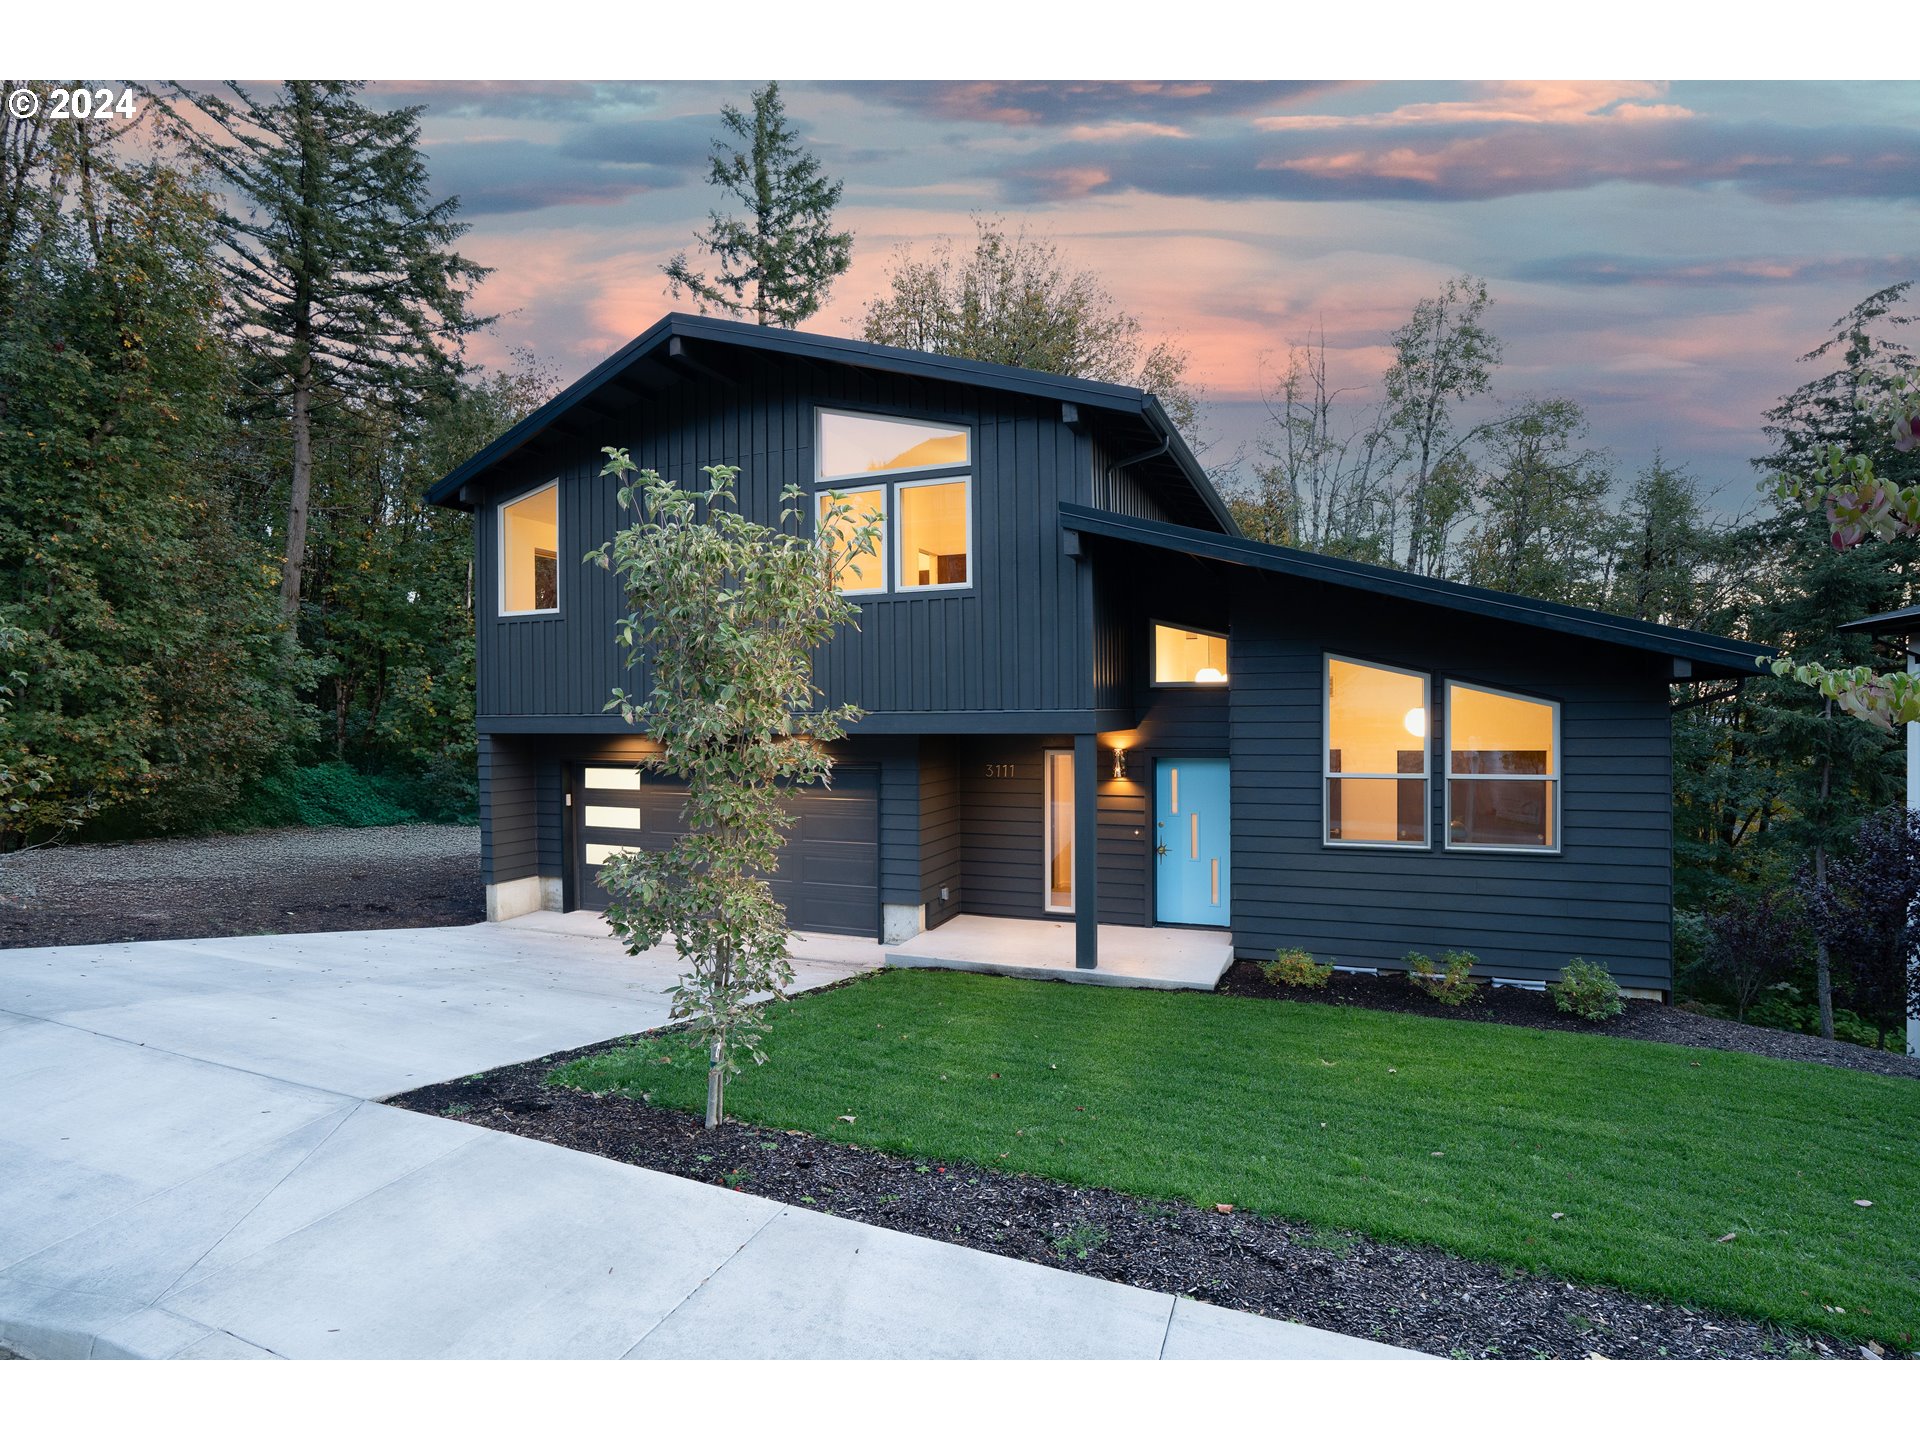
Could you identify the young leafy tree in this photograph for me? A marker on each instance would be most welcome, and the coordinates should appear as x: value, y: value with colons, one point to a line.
x: 1016, y: 299
x: 725, y: 614
x: 779, y: 260
x: 344, y: 284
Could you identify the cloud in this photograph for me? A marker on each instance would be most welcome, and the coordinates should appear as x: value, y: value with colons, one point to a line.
x: 1080, y: 102
x: 1606, y: 270
x: 515, y: 99
x: 1458, y: 160
x: 504, y: 177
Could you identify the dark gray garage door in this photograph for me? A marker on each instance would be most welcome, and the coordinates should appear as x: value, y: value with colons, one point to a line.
x: 829, y: 876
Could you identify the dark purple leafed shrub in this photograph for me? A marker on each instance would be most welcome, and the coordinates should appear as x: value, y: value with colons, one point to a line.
x: 1758, y: 940
x: 1865, y: 913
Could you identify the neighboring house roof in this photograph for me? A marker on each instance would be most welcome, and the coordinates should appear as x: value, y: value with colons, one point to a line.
x: 1710, y: 655
x: 657, y: 342
x: 1904, y: 621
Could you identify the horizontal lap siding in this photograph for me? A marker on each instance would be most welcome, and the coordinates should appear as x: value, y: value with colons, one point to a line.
x: 899, y: 815
x: 940, y: 835
x: 1607, y: 896
x: 1001, y: 826
x: 509, y: 813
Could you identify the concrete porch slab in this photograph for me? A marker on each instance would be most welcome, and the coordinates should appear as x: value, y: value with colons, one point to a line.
x: 1160, y: 958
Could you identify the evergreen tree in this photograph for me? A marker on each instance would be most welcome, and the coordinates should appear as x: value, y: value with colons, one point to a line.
x: 343, y: 282
x: 778, y: 262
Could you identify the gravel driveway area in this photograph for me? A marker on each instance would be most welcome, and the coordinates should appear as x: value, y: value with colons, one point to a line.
x: 267, y: 882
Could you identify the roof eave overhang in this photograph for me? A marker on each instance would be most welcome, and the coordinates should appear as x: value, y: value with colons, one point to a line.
x: 1705, y: 657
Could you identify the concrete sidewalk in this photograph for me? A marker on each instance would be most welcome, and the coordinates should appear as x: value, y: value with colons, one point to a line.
x: 191, y: 1165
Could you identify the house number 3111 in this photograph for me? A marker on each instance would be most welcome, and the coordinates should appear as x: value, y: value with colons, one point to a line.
x: 999, y: 772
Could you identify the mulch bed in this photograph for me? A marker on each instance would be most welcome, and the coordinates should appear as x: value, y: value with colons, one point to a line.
x: 1643, y: 1020
x: 1401, y: 1295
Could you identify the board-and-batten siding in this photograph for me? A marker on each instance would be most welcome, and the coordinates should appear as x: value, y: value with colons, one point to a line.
x: 1016, y: 642
x: 1606, y: 897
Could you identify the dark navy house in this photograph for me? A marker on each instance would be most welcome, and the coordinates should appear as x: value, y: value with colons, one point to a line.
x: 1088, y: 699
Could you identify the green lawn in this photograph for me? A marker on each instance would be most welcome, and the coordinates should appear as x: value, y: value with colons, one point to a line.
x: 1470, y: 1137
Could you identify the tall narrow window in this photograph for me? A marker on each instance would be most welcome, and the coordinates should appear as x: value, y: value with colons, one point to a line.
x: 1059, y: 829
x: 934, y: 534
x: 530, y: 553
x: 1188, y: 657
x: 864, y: 574
x: 1376, y: 775
x: 1503, y: 770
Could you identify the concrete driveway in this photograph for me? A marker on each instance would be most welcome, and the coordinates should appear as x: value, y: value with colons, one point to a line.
x: 192, y: 1165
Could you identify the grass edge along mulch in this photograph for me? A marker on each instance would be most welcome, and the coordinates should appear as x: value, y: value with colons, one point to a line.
x: 1607, y: 1161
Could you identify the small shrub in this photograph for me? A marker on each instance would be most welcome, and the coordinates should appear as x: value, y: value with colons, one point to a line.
x: 1587, y: 990
x: 1296, y: 968
x: 1450, y: 982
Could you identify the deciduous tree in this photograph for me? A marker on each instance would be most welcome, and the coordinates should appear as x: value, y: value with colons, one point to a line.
x: 725, y: 614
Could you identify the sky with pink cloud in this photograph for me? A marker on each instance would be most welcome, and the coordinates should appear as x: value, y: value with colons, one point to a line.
x: 1659, y: 252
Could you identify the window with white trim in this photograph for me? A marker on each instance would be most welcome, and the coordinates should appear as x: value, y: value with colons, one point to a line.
x: 1376, y: 754
x: 1503, y: 770
x: 925, y: 523
x: 530, y: 552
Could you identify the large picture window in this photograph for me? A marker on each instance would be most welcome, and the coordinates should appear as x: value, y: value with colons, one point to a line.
x: 1503, y: 770
x: 1376, y: 755
x: 925, y: 522
x: 530, y: 553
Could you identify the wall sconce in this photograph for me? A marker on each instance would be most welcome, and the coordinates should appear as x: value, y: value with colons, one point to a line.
x: 1119, y: 762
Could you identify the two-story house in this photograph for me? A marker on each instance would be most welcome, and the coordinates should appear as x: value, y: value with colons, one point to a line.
x: 1088, y: 699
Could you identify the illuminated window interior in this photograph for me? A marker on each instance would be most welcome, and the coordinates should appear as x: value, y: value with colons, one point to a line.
x: 1376, y: 755
x: 933, y: 534
x: 1059, y: 805
x: 853, y: 445
x: 530, y: 553
x: 1188, y: 657
x: 1503, y: 770
x: 862, y: 573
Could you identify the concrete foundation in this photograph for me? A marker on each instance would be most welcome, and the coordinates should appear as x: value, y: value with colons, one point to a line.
x: 524, y: 896
x: 901, y: 922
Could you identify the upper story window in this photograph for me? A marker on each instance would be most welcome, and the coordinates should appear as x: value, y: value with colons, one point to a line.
x: 1376, y: 757
x: 1188, y: 657
x: 925, y: 523
x: 530, y: 553
x: 853, y: 447
x: 1503, y: 770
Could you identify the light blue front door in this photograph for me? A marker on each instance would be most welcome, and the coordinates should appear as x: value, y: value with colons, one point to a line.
x: 1192, y: 843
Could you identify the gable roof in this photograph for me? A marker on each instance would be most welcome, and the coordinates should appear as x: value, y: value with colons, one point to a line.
x: 657, y: 339
x: 1710, y: 655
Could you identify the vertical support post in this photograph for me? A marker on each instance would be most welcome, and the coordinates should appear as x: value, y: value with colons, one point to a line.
x: 1913, y: 803
x: 1086, y: 851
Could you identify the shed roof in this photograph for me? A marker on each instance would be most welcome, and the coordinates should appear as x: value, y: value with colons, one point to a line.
x: 1710, y: 656
x: 1904, y: 621
x: 657, y: 343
